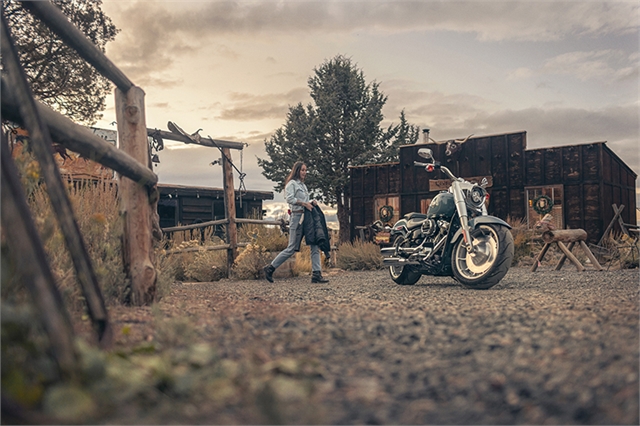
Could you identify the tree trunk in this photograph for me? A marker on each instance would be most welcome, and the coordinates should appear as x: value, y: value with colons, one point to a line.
x: 343, y: 219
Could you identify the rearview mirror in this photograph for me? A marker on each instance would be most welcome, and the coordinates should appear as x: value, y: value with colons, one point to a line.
x: 425, y: 153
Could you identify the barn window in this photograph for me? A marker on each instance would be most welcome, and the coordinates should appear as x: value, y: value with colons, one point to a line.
x: 393, y: 201
x: 537, y: 197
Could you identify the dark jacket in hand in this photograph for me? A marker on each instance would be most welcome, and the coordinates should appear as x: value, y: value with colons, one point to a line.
x: 314, y: 230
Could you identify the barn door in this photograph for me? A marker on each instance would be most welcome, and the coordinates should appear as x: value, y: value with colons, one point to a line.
x: 542, y: 200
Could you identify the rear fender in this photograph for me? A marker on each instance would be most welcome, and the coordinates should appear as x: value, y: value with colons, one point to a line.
x: 477, y: 221
x: 399, y: 228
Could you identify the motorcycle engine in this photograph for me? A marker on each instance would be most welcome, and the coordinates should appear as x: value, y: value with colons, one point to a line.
x: 429, y: 228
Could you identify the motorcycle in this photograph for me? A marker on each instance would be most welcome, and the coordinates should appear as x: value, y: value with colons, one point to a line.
x: 456, y: 237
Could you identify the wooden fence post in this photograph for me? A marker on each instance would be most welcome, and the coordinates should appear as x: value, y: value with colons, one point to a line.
x: 139, y: 258
x: 30, y: 260
x: 229, y: 207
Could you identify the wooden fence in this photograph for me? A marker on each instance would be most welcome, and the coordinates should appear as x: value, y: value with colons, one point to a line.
x: 137, y: 189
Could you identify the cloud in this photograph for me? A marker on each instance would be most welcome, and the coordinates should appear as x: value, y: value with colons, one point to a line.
x: 158, y: 33
x: 606, y: 65
x: 490, y: 20
x: 249, y: 107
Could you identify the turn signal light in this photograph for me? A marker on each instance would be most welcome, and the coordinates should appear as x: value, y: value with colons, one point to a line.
x: 430, y: 168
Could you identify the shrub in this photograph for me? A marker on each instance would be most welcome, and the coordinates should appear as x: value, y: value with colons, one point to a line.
x: 250, y: 261
x: 359, y: 256
x: 96, y: 211
x: 525, y: 249
x: 269, y: 237
x: 206, y: 266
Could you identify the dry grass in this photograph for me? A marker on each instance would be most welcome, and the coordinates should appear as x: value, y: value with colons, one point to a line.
x: 525, y: 246
x: 97, y: 213
x: 249, y: 263
x: 359, y: 256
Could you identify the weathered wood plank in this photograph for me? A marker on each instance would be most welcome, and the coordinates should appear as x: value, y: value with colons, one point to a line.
x: 41, y: 147
x: 564, y: 235
x: 80, y: 139
x: 213, y: 143
x: 230, y: 208
x: 139, y: 258
x: 28, y: 256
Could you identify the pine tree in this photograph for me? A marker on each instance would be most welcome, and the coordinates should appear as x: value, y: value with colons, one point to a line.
x: 58, y: 76
x: 340, y: 129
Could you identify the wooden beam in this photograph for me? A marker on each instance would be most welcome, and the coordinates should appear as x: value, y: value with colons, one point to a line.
x: 56, y: 188
x: 214, y: 143
x: 138, y: 254
x: 30, y: 260
x: 80, y: 139
x: 229, y: 207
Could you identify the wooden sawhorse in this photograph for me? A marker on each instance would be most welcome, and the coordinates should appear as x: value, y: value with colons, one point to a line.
x: 571, y: 236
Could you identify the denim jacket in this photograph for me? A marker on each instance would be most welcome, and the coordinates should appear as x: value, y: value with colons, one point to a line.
x: 296, y: 191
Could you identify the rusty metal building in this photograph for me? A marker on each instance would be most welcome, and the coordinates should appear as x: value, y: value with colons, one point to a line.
x: 583, y: 181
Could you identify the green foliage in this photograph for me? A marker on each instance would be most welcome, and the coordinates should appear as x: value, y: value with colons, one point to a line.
x: 340, y: 129
x: 359, y: 256
x: 59, y: 77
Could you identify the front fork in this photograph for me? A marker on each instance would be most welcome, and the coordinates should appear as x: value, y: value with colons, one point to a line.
x: 461, y: 207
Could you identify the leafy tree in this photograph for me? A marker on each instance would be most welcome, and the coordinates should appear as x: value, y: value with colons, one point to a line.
x: 59, y: 77
x: 340, y: 129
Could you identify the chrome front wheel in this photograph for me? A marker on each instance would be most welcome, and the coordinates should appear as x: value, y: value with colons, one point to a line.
x: 490, y: 260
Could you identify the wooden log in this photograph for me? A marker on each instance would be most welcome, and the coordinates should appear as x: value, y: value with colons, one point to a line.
x: 139, y: 258
x: 570, y: 255
x: 229, y: 207
x: 204, y: 248
x: 80, y: 139
x: 214, y: 143
x: 590, y: 255
x: 617, y: 212
x: 41, y: 147
x: 564, y: 257
x: 540, y: 257
x: 56, y: 20
x: 195, y: 225
x: 564, y: 235
x: 28, y: 256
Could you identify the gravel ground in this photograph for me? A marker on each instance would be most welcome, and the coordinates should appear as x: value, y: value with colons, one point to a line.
x: 550, y: 347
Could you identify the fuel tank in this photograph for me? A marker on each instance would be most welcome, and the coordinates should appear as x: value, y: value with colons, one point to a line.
x: 442, y: 207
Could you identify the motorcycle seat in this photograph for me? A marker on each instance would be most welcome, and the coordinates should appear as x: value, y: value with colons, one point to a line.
x: 415, y: 216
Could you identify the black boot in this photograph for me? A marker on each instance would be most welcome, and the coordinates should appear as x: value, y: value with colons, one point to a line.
x: 268, y: 272
x: 316, y: 277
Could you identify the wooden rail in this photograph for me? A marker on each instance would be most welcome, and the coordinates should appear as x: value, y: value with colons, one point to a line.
x: 81, y: 140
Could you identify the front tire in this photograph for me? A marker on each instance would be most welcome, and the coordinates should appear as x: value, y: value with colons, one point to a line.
x: 491, y: 261
x: 403, y: 275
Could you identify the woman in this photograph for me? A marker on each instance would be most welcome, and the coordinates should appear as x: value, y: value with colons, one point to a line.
x: 297, y: 195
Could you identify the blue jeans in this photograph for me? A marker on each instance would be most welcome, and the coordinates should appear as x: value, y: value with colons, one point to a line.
x: 290, y: 250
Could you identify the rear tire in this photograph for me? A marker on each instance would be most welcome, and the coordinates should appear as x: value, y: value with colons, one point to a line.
x: 494, y: 245
x: 403, y: 275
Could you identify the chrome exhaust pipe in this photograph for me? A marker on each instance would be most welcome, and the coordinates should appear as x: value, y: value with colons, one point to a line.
x: 398, y: 261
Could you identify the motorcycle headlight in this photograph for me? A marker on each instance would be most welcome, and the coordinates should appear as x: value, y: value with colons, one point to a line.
x: 476, y: 197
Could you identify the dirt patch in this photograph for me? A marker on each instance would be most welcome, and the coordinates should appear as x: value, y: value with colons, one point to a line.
x: 553, y: 347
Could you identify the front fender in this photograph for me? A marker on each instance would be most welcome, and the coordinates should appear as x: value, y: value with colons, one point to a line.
x: 477, y: 221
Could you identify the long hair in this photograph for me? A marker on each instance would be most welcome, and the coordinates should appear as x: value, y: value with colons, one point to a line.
x: 295, y: 172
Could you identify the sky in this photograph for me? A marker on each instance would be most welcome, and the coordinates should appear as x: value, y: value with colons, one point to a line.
x: 566, y: 72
